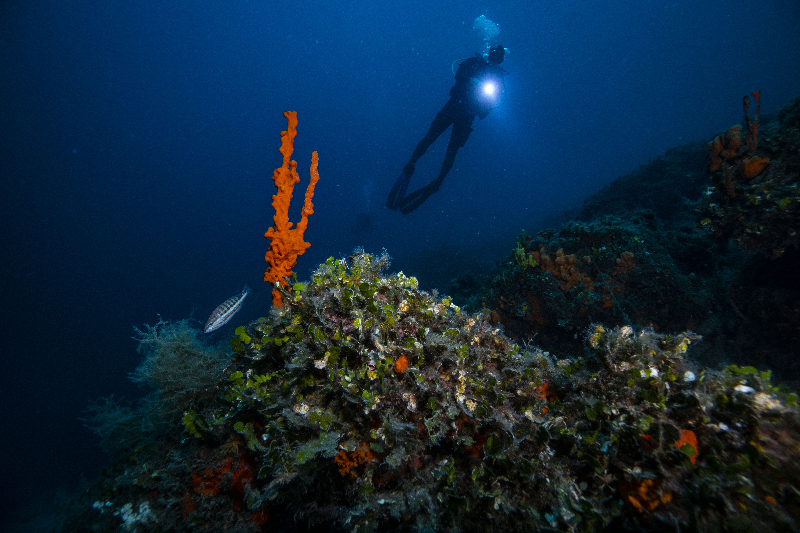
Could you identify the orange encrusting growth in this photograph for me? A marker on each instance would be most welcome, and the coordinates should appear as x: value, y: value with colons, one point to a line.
x: 401, y: 364
x: 688, y: 437
x: 218, y: 480
x: 545, y: 392
x: 209, y: 481
x: 645, y: 495
x: 286, y: 243
x: 624, y: 263
x: 348, y: 462
x: 753, y: 166
x: 564, y: 268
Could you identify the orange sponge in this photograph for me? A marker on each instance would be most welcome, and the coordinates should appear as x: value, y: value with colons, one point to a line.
x: 753, y: 166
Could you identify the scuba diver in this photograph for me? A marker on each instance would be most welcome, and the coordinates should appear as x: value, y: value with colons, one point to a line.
x: 478, y: 87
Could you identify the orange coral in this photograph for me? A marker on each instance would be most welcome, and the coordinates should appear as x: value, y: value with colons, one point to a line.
x: 624, y: 263
x: 214, y: 481
x: 563, y: 268
x: 286, y: 243
x: 348, y: 462
x: 209, y: 481
x: 401, y: 364
x: 724, y: 147
x: 645, y: 495
x: 688, y: 437
x: 545, y: 392
x: 649, y: 445
x: 753, y: 166
x: 242, y: 477
x: 727, y: 149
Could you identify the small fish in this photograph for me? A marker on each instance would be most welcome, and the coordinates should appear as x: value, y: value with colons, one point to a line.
x: 224, y: 312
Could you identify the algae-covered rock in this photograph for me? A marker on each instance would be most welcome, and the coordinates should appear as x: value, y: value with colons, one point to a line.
x: 610, y: 271
x: 365, y: 404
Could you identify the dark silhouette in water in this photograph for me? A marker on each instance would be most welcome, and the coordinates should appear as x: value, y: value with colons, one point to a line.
x: 476, y: 92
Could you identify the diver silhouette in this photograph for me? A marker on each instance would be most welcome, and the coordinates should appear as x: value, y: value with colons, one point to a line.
x: 478, y: 88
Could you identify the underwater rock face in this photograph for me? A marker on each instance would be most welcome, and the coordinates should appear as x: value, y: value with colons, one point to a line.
x: 665, y: 185
x: 754, y: 198
x: 719, y: 260
x: 366, y: 404
x: 610, y: 271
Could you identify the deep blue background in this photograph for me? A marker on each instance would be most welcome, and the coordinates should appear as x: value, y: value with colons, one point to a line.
x: 138, y: 140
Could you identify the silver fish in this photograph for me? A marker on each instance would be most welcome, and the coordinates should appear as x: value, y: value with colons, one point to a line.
x: 224, y: 312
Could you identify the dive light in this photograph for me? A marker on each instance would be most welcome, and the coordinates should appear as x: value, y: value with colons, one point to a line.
x: 489, y: 90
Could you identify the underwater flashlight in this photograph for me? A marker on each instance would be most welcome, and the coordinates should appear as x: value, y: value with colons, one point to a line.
x: 487, y: 90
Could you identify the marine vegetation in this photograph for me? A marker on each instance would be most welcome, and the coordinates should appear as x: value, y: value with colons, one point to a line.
x: 179, y: 370
x: 366, y: 404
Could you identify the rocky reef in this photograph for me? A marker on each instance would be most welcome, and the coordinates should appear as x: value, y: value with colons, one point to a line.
x: 717, y: 256
x: 366, y: 404
x: 612, y: 271
x: 754, y: 198
x: 599, y: 380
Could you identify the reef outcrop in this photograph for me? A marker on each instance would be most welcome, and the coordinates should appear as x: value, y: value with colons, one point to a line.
x: 365, y: 404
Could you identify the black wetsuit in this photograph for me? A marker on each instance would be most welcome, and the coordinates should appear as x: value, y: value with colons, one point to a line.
x: 460, y: 110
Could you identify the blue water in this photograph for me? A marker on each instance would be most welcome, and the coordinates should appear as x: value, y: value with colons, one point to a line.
x: 139, y: 138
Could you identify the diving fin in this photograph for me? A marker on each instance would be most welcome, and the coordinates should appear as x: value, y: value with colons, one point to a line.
x: 418, y: 197
x: 398, y: 191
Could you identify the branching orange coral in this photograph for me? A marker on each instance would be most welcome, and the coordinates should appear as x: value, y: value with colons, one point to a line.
x: 286, y: 243
x: 751, y: 137
x: 349, y: 461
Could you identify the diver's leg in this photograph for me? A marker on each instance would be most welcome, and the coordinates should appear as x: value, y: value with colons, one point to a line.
x: 462, y: 127
x: 397, y: 196
x: 440, y: 123
x: 418, y: 197
x: 458, y: 138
